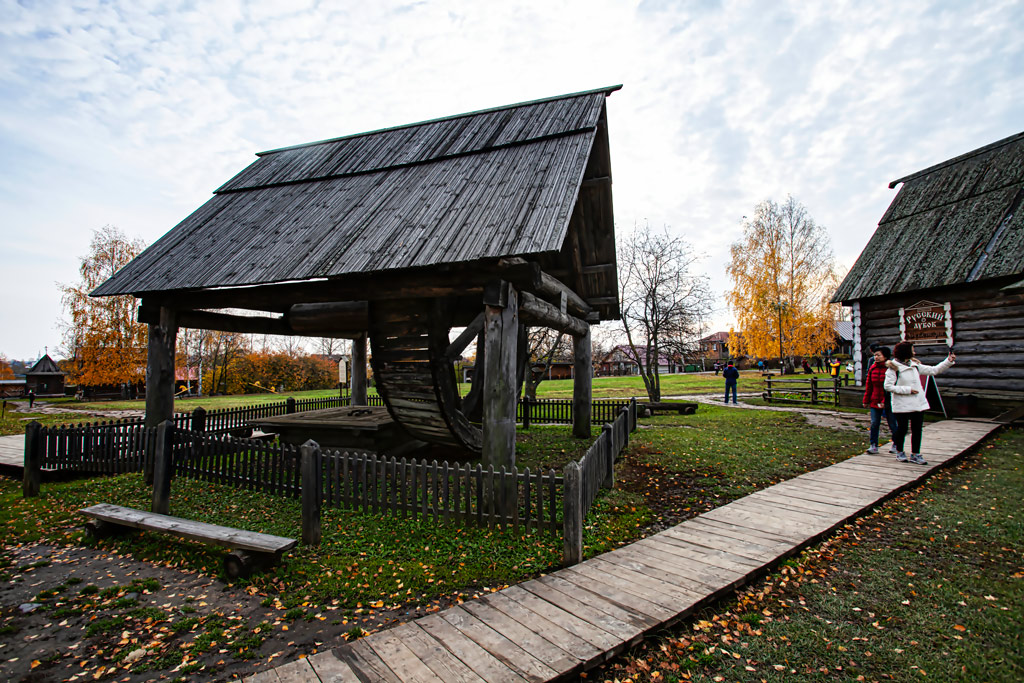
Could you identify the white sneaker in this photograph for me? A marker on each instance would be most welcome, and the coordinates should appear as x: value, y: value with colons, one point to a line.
x: 902, y: 457
x: 873, y: 450
x: 893, y: 450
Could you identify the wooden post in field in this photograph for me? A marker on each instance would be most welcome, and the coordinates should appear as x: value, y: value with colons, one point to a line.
x: 312, y: 491
x: 501, y: 331
x: 163, y: 467
x: 583, y: 369
x: 33, y: 474
x: 199, y: 419
x: 357, y: 395
x: 572, y: 515
x: 608, y: 435
x: 163, y: 334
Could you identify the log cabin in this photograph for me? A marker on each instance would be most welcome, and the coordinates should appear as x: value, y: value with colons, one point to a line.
x: 945, y: 268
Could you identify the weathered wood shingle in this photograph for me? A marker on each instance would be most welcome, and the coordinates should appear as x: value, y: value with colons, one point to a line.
x: 468, y: 188
x: 959, y: 221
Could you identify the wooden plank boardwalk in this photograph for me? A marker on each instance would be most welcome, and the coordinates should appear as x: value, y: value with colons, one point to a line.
x: 559, y: 625
x: 12, y: 452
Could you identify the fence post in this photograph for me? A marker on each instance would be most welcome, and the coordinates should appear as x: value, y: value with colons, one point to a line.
x: 33, y: 460
x: 632, y: 414
x: 608, y: 434
x: 163, y: 467
x: 312, y: 491
x: 572, y: 515
x: 526, y: 411
x: 290, y: 406
x: 199, y: 419
x: 814, y: 390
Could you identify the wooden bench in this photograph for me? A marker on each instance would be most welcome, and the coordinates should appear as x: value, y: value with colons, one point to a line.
x: 249, y: 550
x: 674, y: 406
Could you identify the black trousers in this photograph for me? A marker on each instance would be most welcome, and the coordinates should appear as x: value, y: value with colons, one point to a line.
x: 913, y: 420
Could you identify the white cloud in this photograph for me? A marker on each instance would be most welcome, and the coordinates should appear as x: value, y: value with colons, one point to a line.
x: 132, y: 113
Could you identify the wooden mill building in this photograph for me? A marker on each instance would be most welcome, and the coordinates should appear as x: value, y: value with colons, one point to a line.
x: 491, y: 221
x: 946, y: 267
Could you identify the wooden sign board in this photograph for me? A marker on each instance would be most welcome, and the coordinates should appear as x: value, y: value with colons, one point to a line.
x: 927, y: 321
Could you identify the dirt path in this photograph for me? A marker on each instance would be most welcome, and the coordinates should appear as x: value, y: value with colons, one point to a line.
x: 819, y: 417
x: 44, y: 408
x: 85, y: 613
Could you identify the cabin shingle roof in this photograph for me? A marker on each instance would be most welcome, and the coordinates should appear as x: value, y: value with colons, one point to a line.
x: 468, y: 188
x: 956, y: 222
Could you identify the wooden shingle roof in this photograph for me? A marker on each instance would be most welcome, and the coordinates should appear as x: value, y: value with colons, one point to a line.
x: 469, y: 188
x: 956, y: 222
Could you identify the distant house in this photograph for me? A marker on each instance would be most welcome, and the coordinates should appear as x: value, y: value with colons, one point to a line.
x: 715, y: 346
x: 946, y: 267
x: 843, y: 343
x: 620, y: 361
x: 45, y: 378
x: 12, y: 387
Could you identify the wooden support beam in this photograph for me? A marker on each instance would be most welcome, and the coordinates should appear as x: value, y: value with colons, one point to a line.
x: 583, y: 370
x: 456, y: 348
x: 603, y: 181
x: 339, y: 319
x: 599, y: 268
x: 548, y: 286
x: 358, y: 379
x: 538, y: 312
x: 222, y: 322
x: 163, y: 334
x: 501, y: 331
x: 281, y: 297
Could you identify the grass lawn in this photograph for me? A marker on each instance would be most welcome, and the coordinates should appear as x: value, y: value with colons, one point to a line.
x: 14, y: 423
x: 928, y: 588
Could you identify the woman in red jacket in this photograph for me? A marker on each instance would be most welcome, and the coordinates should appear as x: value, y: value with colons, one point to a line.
x: 878, y: 399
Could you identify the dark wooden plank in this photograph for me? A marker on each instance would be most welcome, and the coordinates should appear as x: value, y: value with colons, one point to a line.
x: 606, y: 615
x: 698, y: 535
x: 431, y: 652
x: 492, y: 640
x: 549, y: 630
x: 402, y: 661
x: 553, y: 656
x: 697, y: 568
x: 612, y: 597
x: 329, y: 669
x: 673, y: 596
x: 725, y: 559
x: 366, y: 664
x: 472, y: 655
x: 580, y: 628
x: 298, y: 671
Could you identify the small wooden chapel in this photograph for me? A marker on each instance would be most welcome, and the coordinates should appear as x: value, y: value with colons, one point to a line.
x: 491, y: 221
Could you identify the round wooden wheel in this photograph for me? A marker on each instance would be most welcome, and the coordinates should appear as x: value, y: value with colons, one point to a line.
x: 414, y: 376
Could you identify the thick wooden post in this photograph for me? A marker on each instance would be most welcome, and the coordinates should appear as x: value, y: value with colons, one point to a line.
x: 501, y: 327
x: 572, y: 515
x: 358, y: 393
x: 163, y: 333
x: 608, y: 434
x: 632, y: 414
x: 583, y: 369
x: 160, y: 368
x: 312, y: 491
x: 33, y: 473
x: 289, y: 405
x: 163, y: 467
x: 199, y: 419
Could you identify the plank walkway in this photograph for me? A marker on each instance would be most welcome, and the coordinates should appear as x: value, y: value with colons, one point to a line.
x: 12, y: 451
x: 559, y: 625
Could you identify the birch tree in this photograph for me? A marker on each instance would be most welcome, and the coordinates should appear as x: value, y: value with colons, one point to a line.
x: 102, y: 336
x: 783, y: 275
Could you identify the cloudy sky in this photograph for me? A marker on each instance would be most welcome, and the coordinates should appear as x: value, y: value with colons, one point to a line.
x: 132, y: 113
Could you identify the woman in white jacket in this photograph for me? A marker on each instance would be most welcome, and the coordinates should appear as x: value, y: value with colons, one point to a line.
x: 903, y: 381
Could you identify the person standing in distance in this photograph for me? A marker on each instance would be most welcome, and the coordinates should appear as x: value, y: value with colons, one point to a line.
x: 731, y: 374
x: 877, y: 398
x: 903, y: 381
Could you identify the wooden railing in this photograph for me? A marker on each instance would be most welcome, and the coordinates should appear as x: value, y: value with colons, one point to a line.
x: 812, y: 390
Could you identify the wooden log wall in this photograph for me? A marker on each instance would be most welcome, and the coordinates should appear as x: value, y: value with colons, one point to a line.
x: 988, y: 335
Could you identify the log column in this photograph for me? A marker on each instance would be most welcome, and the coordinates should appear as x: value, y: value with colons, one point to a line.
x: 501, y: 332
x: 163, y: 335
x: 358, y: 395
x: 583, y: 370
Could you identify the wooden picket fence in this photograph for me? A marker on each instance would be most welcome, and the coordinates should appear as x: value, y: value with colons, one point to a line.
x: 811, y: 390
